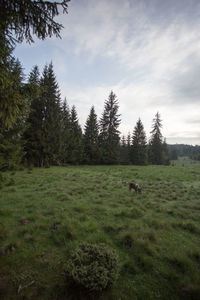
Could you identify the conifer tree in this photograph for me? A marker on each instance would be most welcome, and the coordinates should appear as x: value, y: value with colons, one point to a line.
x: 12, y: 100
x: 156, y: 142
x: 20, y: 20
x: 65, y: 133
x: 109, y: 134
x: 166, y: 154
x: 124, y: 151
x: 76, y: 139
x: 139, y: 145
x: 123, y: 141
x: 33, y: 135
x: 91, y: 146
x: 128, y: 141
x: 11, y: 129
x: 50, y: 98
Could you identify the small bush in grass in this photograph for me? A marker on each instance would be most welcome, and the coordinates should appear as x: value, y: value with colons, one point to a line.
x: 93, y: 266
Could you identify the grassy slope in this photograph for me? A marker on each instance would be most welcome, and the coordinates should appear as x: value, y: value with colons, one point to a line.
x: 46, y: 213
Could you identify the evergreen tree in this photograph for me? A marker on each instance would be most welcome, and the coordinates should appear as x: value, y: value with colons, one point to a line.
x: 139, y: 145
x: 91, y: 146
x: 50, y: 98
x: 124, y: 151
x: 65, y: 133
x: 12, y: 100
x: 20, y: 18
x: 128, y: 140
x: 11, y: 129
x: 166, y: 154
x: 123, y: 141
x: 76, y: 139
x: 156, y: 142
x: 33, y: 146
x: 109, y: 134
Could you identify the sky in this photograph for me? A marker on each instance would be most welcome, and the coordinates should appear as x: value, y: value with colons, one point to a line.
x: 146, y: 51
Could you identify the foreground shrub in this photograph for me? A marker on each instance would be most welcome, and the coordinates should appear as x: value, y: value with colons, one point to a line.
x: 93, y: 266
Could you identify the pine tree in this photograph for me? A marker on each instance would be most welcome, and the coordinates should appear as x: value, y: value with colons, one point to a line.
x: 12, y: 99
x: 11, y: 131
x: 128, y: 141
x: 166, y: 154
x: 50, y: 97
x: 109, y: 134
x: 65, y: 133
x: 156, y: 142
x: 123, y: 141
x: 124, y: 151
x: 20, y: 19
x: 33, y: 147
x: 139, y: 145
x: 76, y: 139
x: 91, y: 146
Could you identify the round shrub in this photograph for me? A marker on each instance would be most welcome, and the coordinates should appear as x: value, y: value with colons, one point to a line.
x: 93, y: 266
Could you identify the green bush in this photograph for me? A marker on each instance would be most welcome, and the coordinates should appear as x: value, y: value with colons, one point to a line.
x: 93, y: 266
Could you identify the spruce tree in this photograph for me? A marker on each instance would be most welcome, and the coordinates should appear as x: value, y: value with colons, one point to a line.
x: 12, y: 99
x: 166, y: 154
x: 156, y: 142
x: 109, y: 134
x: 124, y: 151
x: 76, y: 139
x: 50, y: 98
x: 139, y: 145
x: 91, y: 146
x: 65, y: 133
x: 123, y: 141
x: 33, y: 146
x: 11, y: 129
x: 128, y: 141
x: 19, y: 19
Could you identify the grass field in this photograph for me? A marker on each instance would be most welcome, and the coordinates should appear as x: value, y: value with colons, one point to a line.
x: 46, y: 213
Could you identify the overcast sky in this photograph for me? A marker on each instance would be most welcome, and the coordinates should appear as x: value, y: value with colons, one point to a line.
x: 146, y: 51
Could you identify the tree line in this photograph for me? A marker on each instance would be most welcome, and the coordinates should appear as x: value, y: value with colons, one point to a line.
x: 190, y: 151
x: 47, y: 131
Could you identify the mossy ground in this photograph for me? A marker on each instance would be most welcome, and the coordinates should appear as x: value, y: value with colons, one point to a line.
x: 46, y: 213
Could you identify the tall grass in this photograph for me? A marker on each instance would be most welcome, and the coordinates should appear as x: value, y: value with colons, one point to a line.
x: 46, y: 213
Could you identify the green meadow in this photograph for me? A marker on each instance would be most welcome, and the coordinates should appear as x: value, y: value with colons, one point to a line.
x: 46, y: 213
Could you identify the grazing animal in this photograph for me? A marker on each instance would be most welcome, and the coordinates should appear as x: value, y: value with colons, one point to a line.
x: 135, y: 186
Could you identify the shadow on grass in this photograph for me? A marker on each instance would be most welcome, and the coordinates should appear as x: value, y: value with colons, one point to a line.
x: 71, y: 291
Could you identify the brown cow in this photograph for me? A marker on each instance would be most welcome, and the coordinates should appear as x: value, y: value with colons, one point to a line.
x: 135, y: 186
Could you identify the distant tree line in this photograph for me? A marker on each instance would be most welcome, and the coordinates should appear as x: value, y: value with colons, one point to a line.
x: 190, y: 151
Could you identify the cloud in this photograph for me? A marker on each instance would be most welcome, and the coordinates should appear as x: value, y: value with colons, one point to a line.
x: 195, y: 120
x: 147, y: 52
